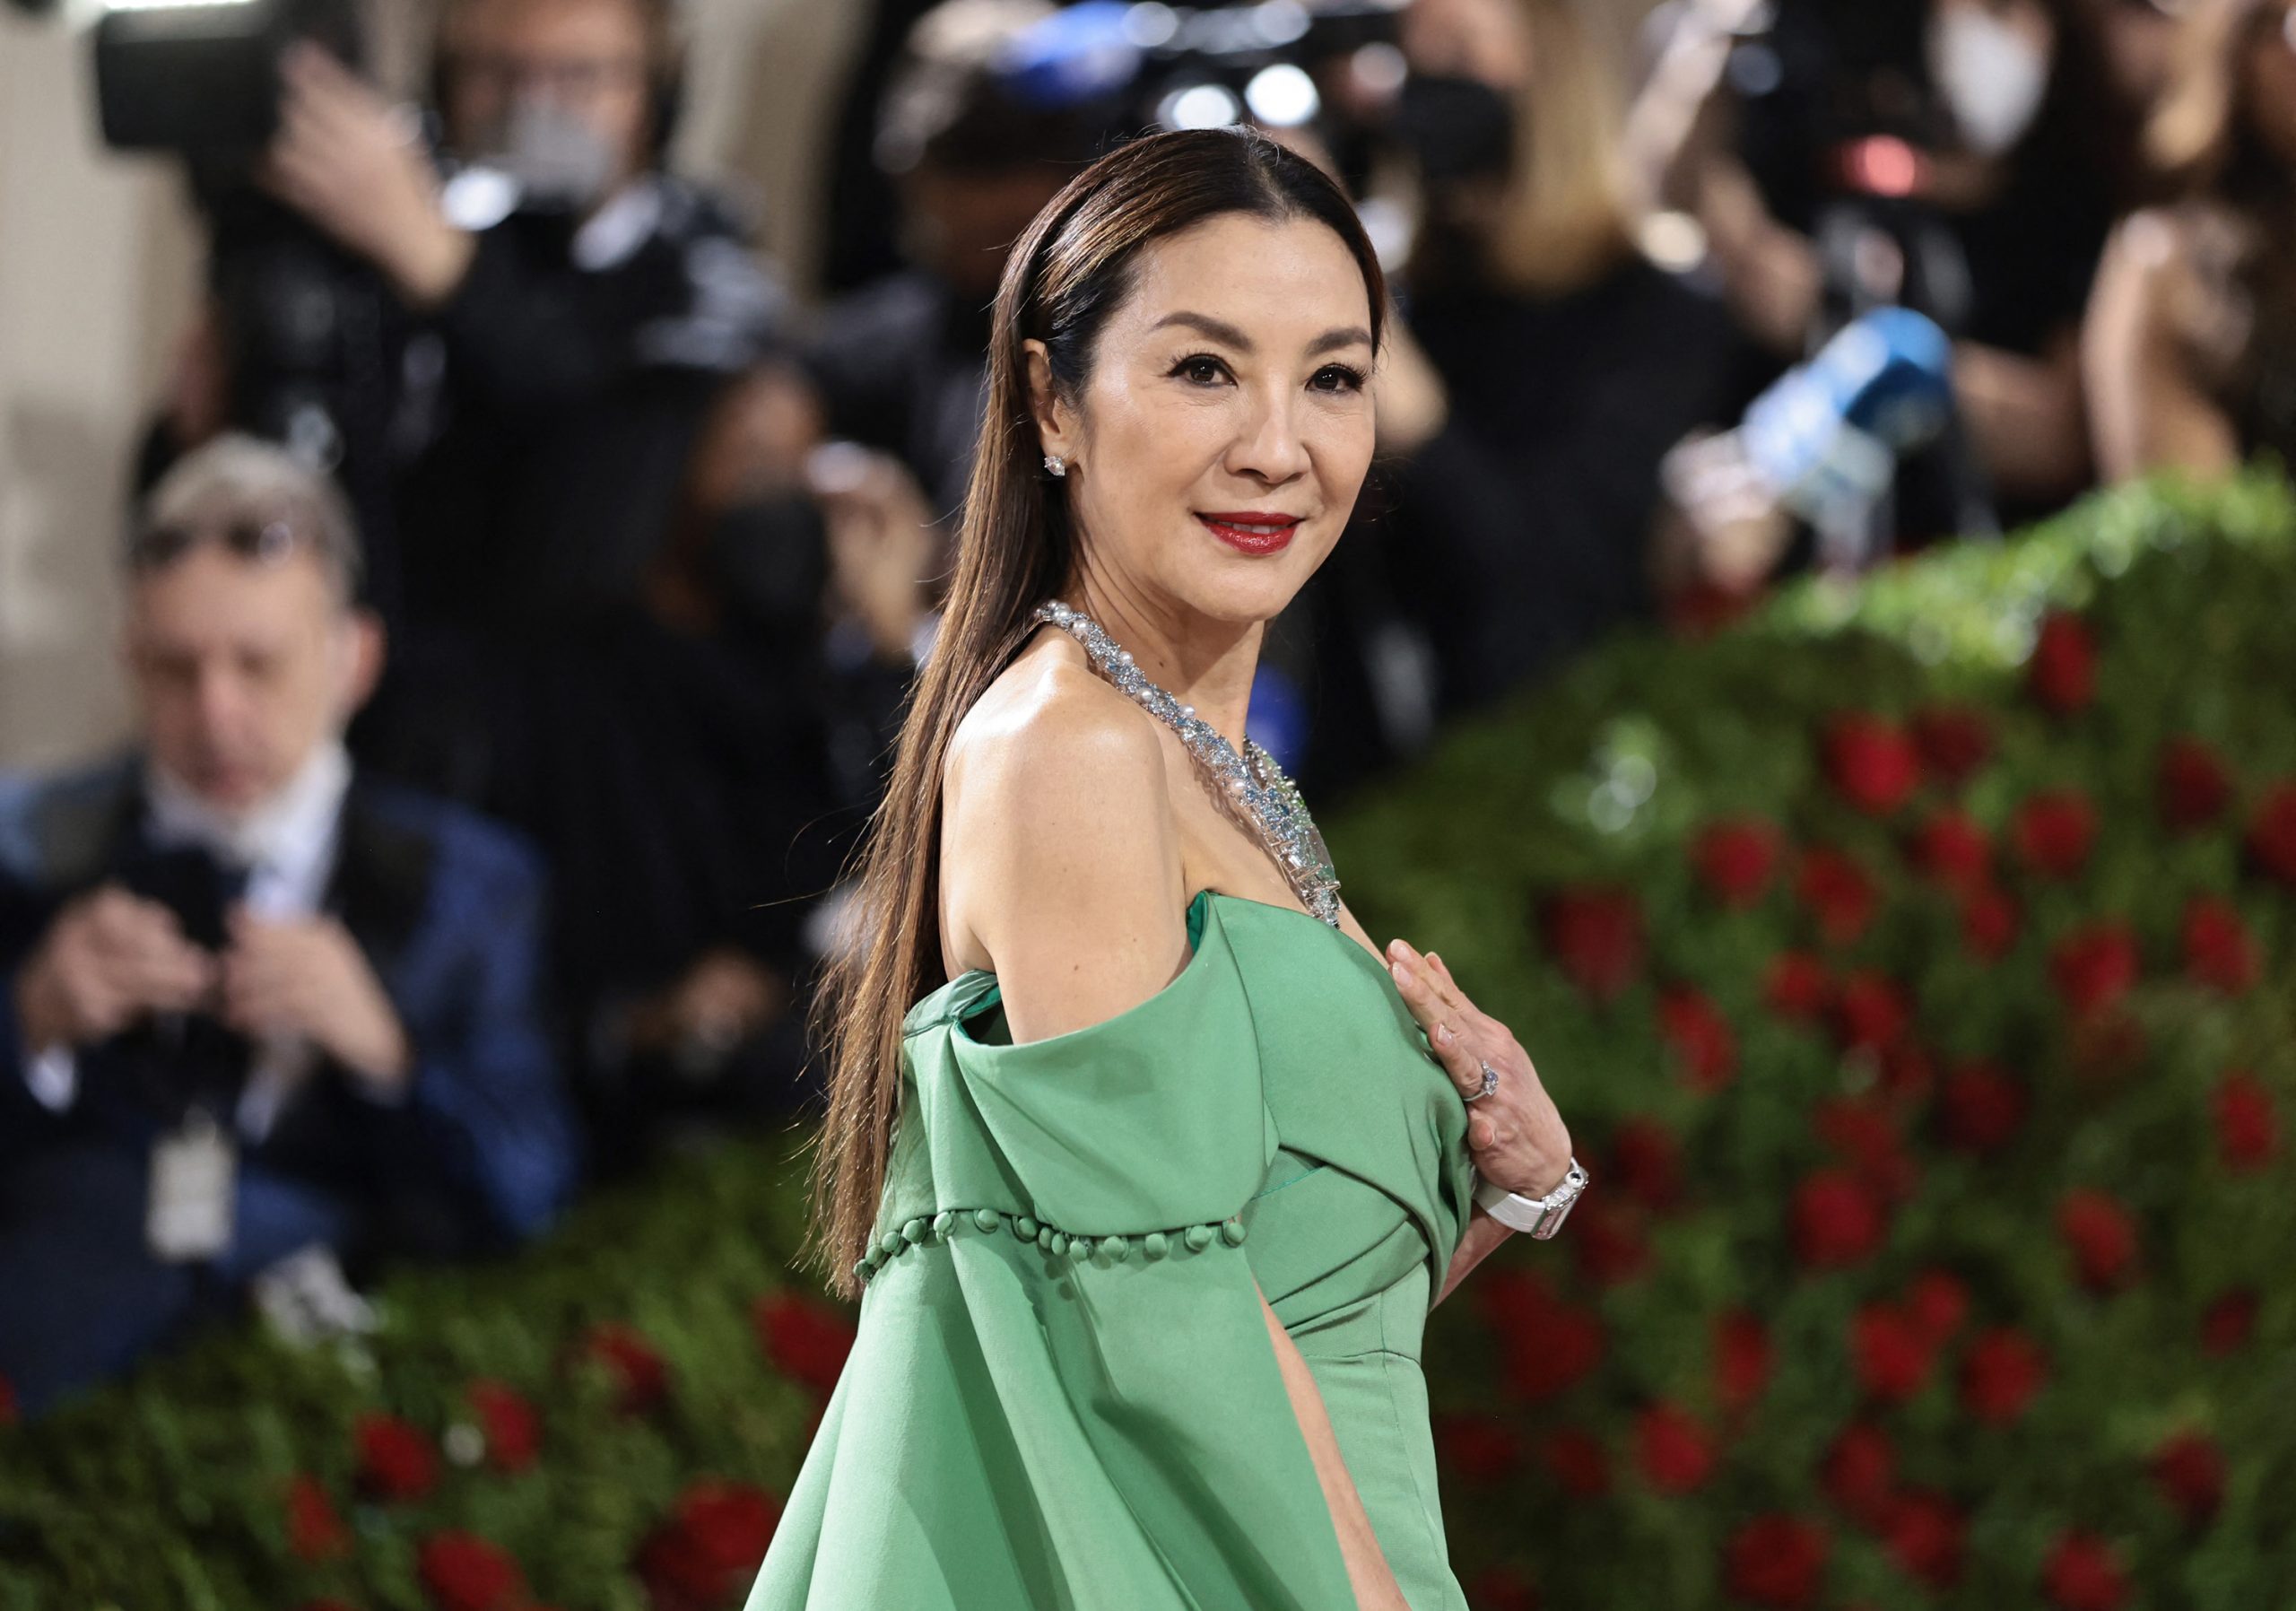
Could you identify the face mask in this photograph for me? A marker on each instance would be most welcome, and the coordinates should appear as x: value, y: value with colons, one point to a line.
x: 557, y: 160
x: 1992, y: 76
x: 1460, y: 127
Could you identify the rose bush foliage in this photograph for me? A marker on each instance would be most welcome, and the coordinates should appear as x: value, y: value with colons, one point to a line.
x: 1917, y: 966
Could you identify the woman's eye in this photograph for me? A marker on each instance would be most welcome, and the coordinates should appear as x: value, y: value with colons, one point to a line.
x: 1337, y: 377
x: 1201, y: 371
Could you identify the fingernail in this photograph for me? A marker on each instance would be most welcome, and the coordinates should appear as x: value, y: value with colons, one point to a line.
x: 1403, y: 975
x: 1443, y: 1035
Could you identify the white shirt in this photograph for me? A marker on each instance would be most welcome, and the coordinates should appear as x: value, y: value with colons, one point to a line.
x: 288, y: 846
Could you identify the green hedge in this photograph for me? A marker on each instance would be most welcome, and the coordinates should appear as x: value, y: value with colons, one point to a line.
x: 1917, y: 967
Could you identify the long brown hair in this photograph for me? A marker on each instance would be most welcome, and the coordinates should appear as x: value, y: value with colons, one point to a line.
x: 1016, y: 549
x: 1563, y: 221
x: 2204, y: 138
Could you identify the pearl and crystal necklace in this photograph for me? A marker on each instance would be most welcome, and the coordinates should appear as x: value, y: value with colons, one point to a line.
x: 1266, y: 799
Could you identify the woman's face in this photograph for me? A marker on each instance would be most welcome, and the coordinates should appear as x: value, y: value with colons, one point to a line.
x: 1225, y: 423
x: 2270, y: 91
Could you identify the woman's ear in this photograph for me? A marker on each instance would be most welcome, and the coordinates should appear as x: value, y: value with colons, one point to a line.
x: 1055, y: 421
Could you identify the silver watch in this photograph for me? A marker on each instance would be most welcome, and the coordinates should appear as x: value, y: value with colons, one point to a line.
x: 1541, y: 1217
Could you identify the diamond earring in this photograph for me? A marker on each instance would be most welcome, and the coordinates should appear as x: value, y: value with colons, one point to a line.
x: 1054, y: 466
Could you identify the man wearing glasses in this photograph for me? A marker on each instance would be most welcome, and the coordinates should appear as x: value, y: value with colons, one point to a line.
x: 251, y: 1003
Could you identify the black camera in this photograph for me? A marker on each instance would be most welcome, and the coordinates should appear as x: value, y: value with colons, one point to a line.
x: 202, y: 79
x: 313, y: 337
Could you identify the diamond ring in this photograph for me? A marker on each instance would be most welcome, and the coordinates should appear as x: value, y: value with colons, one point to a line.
x: 1490, y: 1083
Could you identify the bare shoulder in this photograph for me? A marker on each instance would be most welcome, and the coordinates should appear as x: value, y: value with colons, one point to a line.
x: 1060, y: 859
x: 1049, y: 733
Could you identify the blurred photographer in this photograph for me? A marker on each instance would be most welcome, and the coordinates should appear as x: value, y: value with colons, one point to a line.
x: 818, y: 512
x: 1568, y: 361
x: 251, y: 1002
x: 2191, y: 342
x: 1962, y: 157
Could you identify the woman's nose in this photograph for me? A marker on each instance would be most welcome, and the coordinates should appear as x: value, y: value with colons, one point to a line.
x: 1269, y: 447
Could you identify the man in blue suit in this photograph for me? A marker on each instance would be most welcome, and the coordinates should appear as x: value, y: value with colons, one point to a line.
x: 252, y: 1003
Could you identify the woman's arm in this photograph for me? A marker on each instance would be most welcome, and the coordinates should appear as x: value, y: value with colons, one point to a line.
x: 2026, y: 416
x: 1064, y: 865
x: 2147, y: 408
x: 1483, y: 1235
x: 1368, y: 1571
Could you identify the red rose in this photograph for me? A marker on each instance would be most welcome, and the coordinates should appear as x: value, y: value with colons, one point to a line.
x: 1840, y: 898
x: 1775, y: 1562
x: 1835, y: 1219
x: 314, y: 1530
x: 1546, y: 1346
x: 2082, y: 1574
x: 512, y: 1428
x: 1672, y: 1449
x: 1867, y: 1139
x: 1937, y: 1302
x: 1647, y: 1164
x: 1736, y: 861
x: 2272, y: 832
x: 2189, y: 1469
x: 1796, y: 986
x: 1892, y: 1352
x: 1859, y: 1473
x: 1477, y: 1448
x: 1924, y: 1532
x: 462, y: 1572
x: 1502, y: 1589
x: 1577, y: 1461
x: 396, y: 1459
x: 2093, y: 968
x: 1547, y: 1364
x: 2102, y: 1238
x: 1870, y: 1010
x: 641, y: 1379
x: 1988, y: 923
x: 8, y: 1410
x: 1705, y: 1048
x: 710, y: 1548
x: 2226, y: 1325
x: 1908, y: 1072
x: 2002, y: 1373
x: 1596, y: 937
x: 1871, y: 762
x: 1612, y: 1250
x: 2064, y: 672
x: 2193, y: 784
x: 2248, y: 1129
x: 1742, y: 1358
x: 2218, y: 950
x: 1950, y: 849
x: 2054, y: 832
x: 1980, y: 1108
x: 1954, y: 741
x: 806, y: 1339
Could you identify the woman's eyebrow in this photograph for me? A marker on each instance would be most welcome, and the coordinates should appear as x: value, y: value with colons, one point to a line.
x: 1220, y: 330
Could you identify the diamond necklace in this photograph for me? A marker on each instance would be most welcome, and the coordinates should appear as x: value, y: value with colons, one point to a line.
x: 1252, y: 782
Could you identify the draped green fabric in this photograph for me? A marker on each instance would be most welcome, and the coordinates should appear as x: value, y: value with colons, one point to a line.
x: 1063, y: 1393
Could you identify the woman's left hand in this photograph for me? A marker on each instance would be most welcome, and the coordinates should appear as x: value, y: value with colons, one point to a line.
x: 1516, y: 1136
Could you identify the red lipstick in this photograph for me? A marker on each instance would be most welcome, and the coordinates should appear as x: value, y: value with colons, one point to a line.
x: 1251, y: 531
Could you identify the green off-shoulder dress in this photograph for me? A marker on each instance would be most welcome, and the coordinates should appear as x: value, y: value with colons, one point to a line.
x: 1063, y: 1394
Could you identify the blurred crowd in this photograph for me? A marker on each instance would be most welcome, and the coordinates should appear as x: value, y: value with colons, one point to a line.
x: 523, y: 585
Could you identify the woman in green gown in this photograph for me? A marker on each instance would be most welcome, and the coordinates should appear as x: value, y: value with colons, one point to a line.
x: 1146, y: 1164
